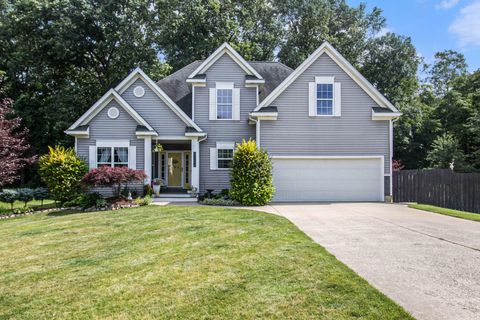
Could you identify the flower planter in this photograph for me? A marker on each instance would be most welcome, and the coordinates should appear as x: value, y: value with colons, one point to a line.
x: 156, y: 190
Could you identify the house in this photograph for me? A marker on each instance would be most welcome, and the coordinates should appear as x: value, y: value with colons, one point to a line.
x: 327, y: 129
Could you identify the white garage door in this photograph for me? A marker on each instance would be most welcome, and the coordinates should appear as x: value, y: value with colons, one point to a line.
x: 330, y: 179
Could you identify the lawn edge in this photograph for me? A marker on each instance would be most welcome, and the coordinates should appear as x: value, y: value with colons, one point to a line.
x: 445, y: 211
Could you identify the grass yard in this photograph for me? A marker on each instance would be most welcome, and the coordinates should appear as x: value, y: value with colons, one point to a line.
x: 175, y: 263
x: 447, y: 212
x: 35, y: 204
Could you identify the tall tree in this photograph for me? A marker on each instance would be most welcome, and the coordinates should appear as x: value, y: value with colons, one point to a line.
x: 448, y: 66
x: 391, y: 64
x: 309, y: 23
x: 13, y: 146
x: 62, y: 55
x: 190, y: 30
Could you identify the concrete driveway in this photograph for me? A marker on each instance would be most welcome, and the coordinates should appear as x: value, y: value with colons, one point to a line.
x: 426, y: 262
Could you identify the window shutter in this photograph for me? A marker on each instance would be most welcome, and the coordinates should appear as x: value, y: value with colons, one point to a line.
x: 213, y: 104
x: 312, y: 99
x: 92, y: 157
x: 132, y: 157
x: 213, y: 159
x: 337, y: 91
x: 236, y: 104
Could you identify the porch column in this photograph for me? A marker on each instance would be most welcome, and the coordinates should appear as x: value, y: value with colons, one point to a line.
x: 148, y: 159
x: 195, y: 164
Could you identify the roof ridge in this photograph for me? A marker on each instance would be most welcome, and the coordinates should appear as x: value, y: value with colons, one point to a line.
x: 267, y: 61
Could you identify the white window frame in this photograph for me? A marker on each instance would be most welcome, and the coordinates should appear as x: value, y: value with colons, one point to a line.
x: 112, y: 144
x: 112, y: 157
x: 325, y: 80
x: 224, y: 86
x: 225, y: 146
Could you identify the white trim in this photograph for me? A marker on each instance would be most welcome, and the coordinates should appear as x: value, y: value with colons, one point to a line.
x: 112, y: 143
x: 104, y: 101
x: 225, y: 48
x: 195, y: 175
x: 195, y: 134
x: 147, y: 159
x: 343, y: 63
x: 78, y: 133
x: 224, y: 85
x: 138, y: 91
x: 193, y: 102
x: 265, y: 115
x: 385, y: 116
x: 138, y: 73
x: 252, y: 82
x: 390, y: 124
x: 76, y: 145
x: 116, y: 113
x: 328, y: 157
x: 141, y: 134
x: 380, y: 157
x: 197, y: 82
x: 325, y: 80
x: 258, y: 133
x: 172, y: 138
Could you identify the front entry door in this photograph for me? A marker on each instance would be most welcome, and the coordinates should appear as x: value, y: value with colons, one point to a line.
x: 174, y: 169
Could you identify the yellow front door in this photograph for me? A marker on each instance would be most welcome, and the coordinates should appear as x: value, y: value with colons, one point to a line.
x: 174, y: 169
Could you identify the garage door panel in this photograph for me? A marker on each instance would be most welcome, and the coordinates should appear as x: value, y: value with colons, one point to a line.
x: 328, y: 179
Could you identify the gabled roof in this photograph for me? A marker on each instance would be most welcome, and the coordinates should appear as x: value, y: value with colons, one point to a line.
x: 176, y: 87
x: 139, y: 74
x: 225, y: 48
x: 100, y: 104
x: 327, y: 48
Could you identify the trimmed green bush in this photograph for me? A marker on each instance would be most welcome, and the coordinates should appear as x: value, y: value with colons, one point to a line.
x: 40, y: 194
x: 9, y: 196
x: 62, y: 170
x: 252, y: 183
x: 25, y: 195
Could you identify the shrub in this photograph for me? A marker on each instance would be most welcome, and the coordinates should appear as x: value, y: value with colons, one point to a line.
x: 22, y: 210
x: 89, y: 200
x: 40, y: 194
x: 9, y: 196
x: 61, y: 170
x: 145, y: 201
x: 112, y: 177
x: 251, y: 175
x: 25, y: 195
x: 101, y: 203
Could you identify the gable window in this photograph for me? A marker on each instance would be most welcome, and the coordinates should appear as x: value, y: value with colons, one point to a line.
x: 324, y: 99
x: 225, y: 104
x: 225, y: 158
x: 119, y: 158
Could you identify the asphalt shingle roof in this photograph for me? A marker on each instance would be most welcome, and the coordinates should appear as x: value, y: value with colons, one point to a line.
x: 176, y: 87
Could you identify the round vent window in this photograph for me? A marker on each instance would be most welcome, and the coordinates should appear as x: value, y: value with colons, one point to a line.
x: 113, y: 113
x: 139, y: 92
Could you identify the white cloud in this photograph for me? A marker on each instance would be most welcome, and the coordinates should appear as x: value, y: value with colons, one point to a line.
x: 447, y: 4
x: 467, y: 26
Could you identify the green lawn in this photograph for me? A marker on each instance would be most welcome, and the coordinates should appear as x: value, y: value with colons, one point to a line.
x: 5, y: 207
x: 175, y: 263
x: 447, y: 212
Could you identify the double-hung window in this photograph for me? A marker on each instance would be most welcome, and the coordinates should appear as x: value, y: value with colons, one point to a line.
x: 324, y: 99
x: 112, y: 156
x: 224, y: 104
x: 225, y: 158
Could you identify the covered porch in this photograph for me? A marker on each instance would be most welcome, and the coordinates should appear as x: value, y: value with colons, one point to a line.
x: 175, y: 162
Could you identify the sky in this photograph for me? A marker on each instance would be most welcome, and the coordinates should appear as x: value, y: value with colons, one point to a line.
x: 434, y: 25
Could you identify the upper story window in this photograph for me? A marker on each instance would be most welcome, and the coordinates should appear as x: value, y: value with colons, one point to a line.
x: 119, y: 159
x: 324, y: 99
x: 225, y: 104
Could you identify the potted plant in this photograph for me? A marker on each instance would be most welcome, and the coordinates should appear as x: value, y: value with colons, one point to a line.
x: 157, y: 183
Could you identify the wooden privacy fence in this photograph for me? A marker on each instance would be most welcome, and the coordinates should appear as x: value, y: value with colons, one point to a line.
x: 438, y: 187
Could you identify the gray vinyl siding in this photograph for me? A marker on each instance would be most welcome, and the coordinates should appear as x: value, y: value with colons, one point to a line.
x: 387, y: 185
x: 223, y: 70
x: 155, y: 111
x: 352, y: 134
x: 104, y: 128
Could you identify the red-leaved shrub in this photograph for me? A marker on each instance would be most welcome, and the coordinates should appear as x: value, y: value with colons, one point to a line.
x: 112, y: 177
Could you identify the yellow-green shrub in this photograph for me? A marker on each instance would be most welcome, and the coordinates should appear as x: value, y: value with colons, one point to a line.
x: 61, y: 170
x: 251, y: 182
